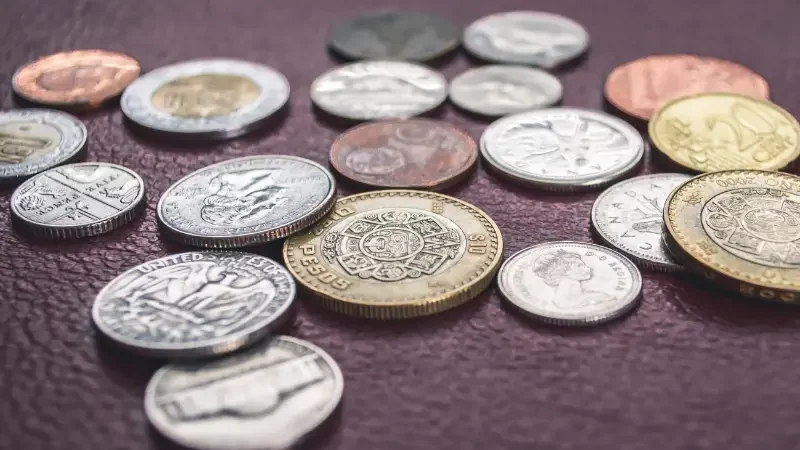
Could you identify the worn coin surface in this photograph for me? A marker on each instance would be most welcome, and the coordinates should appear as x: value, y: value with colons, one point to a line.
x: 497, y: 90
x: 570, y: 283
x: 267, y: 397
x: 371, y: 90
x: 78, y: 200
x: 246, y: 201
x: 426, y: 154
x: 396, y: 254
x: 724, y: 131
x: 562, y: 148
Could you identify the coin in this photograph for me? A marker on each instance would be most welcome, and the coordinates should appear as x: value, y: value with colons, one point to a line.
x: 638, y: 88
x: 426, y: 154
x: 78, y: 200
x: 268, y: 397
x: 372, y: 90
x: 33, y: 140
x: 629, y: 217
x: 396, y: 254
x: 562, y: 148
x: 723, y: 131
x: 81, y: 79
x: 526, y: 37
x: 504, y: 89
x: 570, y: 283
x: 246, y: 201
x: 403, y: 35
x: 208, y: 98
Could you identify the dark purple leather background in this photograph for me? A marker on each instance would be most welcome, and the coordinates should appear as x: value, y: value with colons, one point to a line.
x: 690, y: 369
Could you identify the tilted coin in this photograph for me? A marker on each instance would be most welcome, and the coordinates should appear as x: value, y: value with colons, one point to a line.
x: 570, y: 283
x: 246, y: 201
x: 427, y: 154
x: 268, y: 397
x: 562, y: 148
x: 371, y: 90
x: 210, y: 98
x: 396, y: 254
x: 78, y: 200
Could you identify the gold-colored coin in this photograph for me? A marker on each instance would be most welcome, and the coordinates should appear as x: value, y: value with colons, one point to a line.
x: 206, y: 95
x: 741, y: 229
x: 396, y: 254
x: 725, y: 131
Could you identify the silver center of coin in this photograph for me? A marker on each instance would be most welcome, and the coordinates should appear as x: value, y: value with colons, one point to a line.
x: 503, y: 89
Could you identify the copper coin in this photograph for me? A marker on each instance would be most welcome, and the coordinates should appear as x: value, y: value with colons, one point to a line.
x: 638, y: 88
x: 80, y: 79
x: 418, y: 153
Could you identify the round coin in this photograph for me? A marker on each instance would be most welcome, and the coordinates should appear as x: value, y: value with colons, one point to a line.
x: 210, y: 98
x: 425, y: 154
x: 562, y: 148
x: 372, y: 90
x: 78, y: 200
x: 570, y: 283
x: 268, y: 397
x: 246, y: 201
x: 396, y: 254
x: 724, y: 131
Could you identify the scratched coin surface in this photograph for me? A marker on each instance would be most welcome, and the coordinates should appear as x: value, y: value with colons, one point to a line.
x: 426, y: 154
x: 570, y: 283
x: 629, y: 217
x: 526, y: 37
x: 372, y: 90
x: 724, y: 131
x: 269, y: 396
x: 562, y: 148
x: 396, y: 253
x: 246, y: 201
x: 78, y: 200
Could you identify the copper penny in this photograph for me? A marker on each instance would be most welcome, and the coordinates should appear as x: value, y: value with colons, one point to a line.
x: 80, y: 79
x: 418, y: 153
x: 638, y: 88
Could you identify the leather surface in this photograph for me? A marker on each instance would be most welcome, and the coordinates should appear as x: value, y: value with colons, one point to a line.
x: 692, y: 368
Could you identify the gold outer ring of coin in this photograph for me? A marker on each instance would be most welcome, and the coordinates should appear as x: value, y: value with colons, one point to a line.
x: 464, y: 278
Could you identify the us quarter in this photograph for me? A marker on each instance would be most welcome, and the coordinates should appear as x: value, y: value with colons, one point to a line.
x: 562, y: 148
x: 570, y: 283
x: 78, y: 200
x: 246, y: 201
x: 267, y: 397
x: 195, y: 304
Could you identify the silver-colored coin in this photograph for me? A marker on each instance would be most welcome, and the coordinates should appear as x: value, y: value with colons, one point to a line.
x: 33, y: 140
x: 78, y: 200
x: 630, y: 217
x: 526, y: 37
x: 562, y: 148
x: 372, y: 90
x: 268, y: 397
x: 210, y: 98
x: 504, y: 89
x: 195, y: 304
x: 246, y: 201
x: 570, y: 283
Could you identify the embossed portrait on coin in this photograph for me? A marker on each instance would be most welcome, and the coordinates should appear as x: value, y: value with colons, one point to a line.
x: 505, y: 93
x: 83, y: 77
x: 25, y: 141
x: 548, y: 41
x: 375, y: 161
x: 206, y: 95
x: 566, y: 273
x: 241, y: 198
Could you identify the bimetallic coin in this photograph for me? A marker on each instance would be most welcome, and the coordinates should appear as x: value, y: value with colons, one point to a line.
x: 246, y: 201
x: 396, y: 254
x: 570, y: 283
x: 78, y: 200
x: 562, y: 148
x: 425, y: 154
x: 724, y: 131
x: 371, y: 90
x: 268, y: 397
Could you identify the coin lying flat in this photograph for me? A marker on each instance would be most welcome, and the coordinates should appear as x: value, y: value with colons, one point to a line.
x: 268, y: 397
x: 570, y: 283
x: 246, y: 201
x: 78, y: 200
x: 396, y: 254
